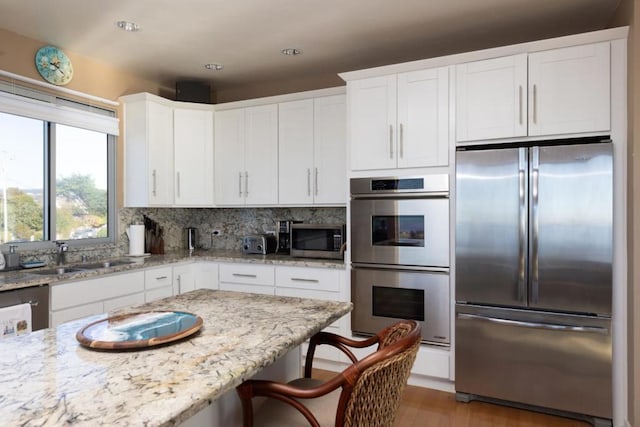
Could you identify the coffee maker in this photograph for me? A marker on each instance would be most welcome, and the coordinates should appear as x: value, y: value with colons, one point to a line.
x: 284, y: 236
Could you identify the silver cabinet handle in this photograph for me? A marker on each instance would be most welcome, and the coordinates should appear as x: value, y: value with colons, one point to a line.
x: 536, y: 325
x: 161, y: 277
x: 520, y: 104
x: 308, y: 182
x: 298, y: 279
x: 535, y: 104
x: 153, y: 175
x: 33, y: 303
x: 243, y: 275
x: 316, y: 182
x: 246, y: 184
x: 178, y: 183
x: 535, y: 183
x: 401, y: 141
x: 522, y: 225
x: 391, y: 141
x: 240, y: 184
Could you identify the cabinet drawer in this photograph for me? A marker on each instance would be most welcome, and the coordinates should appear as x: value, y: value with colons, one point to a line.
x: 241, y: 287
x: 158, y: 277
x: 158, y: 293
x: 87, y: 291
x: 58, y: 317
x: 247, y: 273
x: 124, y: 301
x: 308, y: 278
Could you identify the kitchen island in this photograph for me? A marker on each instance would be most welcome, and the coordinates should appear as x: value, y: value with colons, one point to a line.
x: 47, y: 378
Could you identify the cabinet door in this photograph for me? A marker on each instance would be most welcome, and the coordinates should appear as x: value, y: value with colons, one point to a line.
x: 160, y: 154
x: 295, y: 152
x: 423, y: 118
x: 229, y: 157
x: 184, y: 278
x: 372, y: 104
x: 206, y: 275
x: 261, y: 155
x: 569, y: 90
x: 330, y: 150
x: 490, y: 98
x: 193, y: 157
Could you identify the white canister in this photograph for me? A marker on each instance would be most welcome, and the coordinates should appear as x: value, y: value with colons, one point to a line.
x: 135, y: 233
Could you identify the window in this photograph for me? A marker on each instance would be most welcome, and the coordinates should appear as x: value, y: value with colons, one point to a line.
x: 57, y: 180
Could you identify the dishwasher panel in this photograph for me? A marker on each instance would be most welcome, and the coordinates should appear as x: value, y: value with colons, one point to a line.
x: 37, y: 296
x: 550, y: 360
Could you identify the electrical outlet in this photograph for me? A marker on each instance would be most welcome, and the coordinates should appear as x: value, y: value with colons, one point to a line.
x: 216, y: 232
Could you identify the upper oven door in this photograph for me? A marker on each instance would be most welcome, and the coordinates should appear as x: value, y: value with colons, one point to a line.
x: 400, y: 231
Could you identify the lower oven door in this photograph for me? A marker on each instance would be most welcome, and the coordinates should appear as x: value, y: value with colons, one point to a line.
x: 383, y: 296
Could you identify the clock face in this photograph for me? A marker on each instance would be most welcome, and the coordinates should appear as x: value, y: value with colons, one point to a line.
x: 53, y: 65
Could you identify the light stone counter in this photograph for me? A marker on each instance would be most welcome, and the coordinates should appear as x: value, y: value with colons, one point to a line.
x: 25, y: 278
x: 47, y: 378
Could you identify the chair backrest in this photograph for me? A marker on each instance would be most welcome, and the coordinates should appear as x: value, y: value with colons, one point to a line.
x: 376, y: 382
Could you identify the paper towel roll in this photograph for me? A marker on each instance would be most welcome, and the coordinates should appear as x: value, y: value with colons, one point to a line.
x: 136, y: 239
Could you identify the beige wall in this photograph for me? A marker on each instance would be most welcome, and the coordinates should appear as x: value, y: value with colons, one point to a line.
x: 17, y: 55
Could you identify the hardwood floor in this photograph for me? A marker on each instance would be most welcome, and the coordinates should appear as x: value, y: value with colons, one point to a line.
x: 423, y: 407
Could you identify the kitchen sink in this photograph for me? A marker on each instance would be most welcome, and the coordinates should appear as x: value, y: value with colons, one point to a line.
x: 57, y: 270
x: 103, y: 264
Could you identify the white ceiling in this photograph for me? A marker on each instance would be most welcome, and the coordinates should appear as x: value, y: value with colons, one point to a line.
x: 178, y: 37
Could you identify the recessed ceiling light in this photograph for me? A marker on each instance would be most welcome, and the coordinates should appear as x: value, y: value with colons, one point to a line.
x: 214, y: 67
x: 291, y: 51
x: 128, y: 26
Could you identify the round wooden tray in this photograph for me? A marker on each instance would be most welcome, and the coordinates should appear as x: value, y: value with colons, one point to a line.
x: 139, y: 330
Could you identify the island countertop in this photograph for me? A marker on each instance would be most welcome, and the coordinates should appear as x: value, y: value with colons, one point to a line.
x: 47, y: 378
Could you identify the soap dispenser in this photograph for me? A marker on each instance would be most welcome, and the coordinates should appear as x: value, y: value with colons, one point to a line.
x: 12, y: 258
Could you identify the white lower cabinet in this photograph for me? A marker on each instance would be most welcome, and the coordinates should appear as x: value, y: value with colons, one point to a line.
x: 184, y: 278
x: 316, y: 283
x: 158, y: 283
x: 77, y: 299
x: 206, y: 275
x: 257, y: 279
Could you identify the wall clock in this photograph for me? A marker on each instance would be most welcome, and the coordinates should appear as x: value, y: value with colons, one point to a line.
x: 53, y: 65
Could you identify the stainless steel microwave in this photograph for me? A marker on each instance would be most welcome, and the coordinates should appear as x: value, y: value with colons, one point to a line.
x: 318, y: 240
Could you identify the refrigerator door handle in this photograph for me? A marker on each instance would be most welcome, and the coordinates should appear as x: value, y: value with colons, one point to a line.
x: 536, y: 325
x: 535, y: 223
x: 522, y: 225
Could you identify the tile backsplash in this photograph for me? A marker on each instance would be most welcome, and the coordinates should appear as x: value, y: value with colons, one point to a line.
x: 233, y: 223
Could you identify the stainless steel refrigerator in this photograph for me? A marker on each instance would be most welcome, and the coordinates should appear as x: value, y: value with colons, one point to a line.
x: 534, y: 275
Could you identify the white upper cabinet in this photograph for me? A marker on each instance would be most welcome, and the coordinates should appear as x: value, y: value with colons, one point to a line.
x: 423, y: 118
x: 246, y: 156
x: 193, y: 157
x: 400, y: 121
x: 312, y: 151
x: 168, y: 152
x: 295, y: 152
x: 560, y: 91
x: 491, y: 98
x: 330, y: 150
x: 148, y: 142
x: 569, y: 90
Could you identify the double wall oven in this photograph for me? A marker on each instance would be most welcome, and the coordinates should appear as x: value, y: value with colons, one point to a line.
x: 400, y: 254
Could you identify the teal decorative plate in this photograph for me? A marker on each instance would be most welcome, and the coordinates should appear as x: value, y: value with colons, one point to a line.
x: 139, y: 330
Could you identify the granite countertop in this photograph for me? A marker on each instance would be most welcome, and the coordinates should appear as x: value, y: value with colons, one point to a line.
x: 49, y: 379
x: 26, y: 278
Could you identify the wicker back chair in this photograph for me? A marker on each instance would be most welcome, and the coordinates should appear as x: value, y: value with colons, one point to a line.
x: 367, y: 393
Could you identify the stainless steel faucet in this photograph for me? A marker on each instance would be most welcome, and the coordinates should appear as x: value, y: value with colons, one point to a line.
x: 62, y: 252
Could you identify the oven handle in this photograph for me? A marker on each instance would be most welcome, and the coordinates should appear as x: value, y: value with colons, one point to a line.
x: 443, y: 270
x: 402, y: 196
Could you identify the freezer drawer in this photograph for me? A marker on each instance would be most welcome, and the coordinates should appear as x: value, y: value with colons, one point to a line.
x: 543, y: 359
